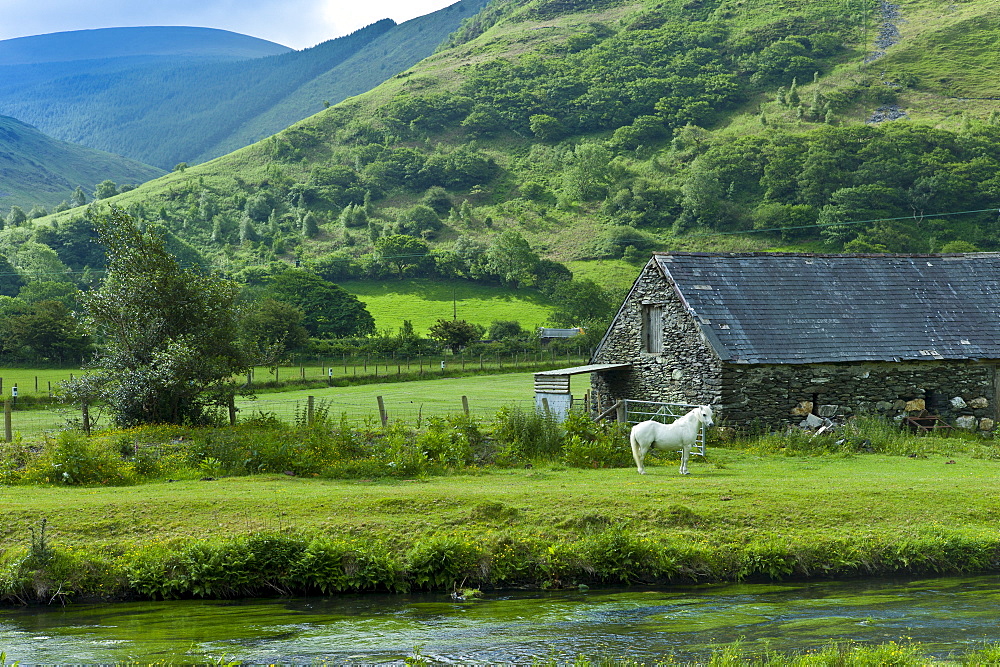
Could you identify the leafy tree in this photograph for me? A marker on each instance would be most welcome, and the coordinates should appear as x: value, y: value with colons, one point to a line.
x: 546, y: 127
x: 959, y: 246
x: 329, y: 310
x: 547, y: 274
x: 16, y: 216
x: 37, y: 261
x: 421, y: 220
x: 76, y: 244
x: 49, y: 330
x: 105, y: 189
x: 511, y: 258
x: 169, y: 334
x: 273, y: 328
x: 582, y: 302
x: 505, y: 330
x: 401, y: 251
x: 437, y: 198
x: 10, y: 280
x: 589, y: 174
x: 79, y: 197
x: 455, y: 334
x: 50, y: 290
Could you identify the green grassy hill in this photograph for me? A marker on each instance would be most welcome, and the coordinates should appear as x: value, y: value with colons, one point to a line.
x: 37, y: 169
x: 601, y: 129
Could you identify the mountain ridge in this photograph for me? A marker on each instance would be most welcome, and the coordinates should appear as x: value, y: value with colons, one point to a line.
x: 37, y: 169
x: 120, y: 42
x: 164, y: 110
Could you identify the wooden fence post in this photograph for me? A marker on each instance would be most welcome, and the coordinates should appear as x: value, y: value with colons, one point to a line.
x: 85, y: 407
x: 381, y: 411
x: 465, y: 405
x: 232, y: 411
x: 310, y: 410
x: 8, y: 431
x: 622, y: 416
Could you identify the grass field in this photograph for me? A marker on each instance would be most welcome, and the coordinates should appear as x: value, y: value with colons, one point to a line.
x: 408, y: 402
x: 811, y: 504
x: 423, y: 302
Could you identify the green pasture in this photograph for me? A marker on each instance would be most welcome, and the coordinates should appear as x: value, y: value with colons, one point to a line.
x: 408, y: 402
x: 423, y: 302
x: 817, y: 508
x: 32, y: 381
x: 614, y: 274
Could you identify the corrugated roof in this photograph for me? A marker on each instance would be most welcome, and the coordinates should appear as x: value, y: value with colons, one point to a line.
x: 812, y: 308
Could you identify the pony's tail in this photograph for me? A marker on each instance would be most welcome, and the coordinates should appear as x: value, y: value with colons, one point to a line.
x: 635, y: 450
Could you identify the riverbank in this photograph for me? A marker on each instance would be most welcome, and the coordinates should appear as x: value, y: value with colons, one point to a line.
x: 740, y: 516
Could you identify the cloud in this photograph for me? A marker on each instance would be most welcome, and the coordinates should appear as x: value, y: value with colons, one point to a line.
x: 295, y: 23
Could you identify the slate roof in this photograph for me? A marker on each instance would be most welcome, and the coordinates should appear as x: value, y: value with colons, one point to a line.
x: 809, y: 308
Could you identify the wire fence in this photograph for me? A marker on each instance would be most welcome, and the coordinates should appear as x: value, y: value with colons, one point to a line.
x: 38, y: 383
x: 413, y: 412
x: 411, y: 403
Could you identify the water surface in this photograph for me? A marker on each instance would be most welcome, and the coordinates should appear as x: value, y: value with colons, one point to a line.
x: 948, y: 616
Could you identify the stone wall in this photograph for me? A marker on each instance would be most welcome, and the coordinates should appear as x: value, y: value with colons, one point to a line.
x: 685, y: 371
x: 962, y: 392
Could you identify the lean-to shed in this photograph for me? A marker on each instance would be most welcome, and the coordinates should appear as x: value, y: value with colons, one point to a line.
x: 775, y: 336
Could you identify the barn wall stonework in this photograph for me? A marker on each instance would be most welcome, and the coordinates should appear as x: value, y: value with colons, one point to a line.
x: 687, y: 370
x: 785, y: 394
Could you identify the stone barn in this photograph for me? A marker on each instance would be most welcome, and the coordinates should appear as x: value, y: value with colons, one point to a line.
x: 775, y: 336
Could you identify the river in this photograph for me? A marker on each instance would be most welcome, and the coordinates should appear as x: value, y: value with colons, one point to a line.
x: 946, y: 615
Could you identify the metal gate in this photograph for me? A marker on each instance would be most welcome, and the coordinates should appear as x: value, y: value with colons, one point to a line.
x: 665, y: 413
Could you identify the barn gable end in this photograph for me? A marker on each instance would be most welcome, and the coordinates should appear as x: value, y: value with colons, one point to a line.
x: 670, y: 359
x: 774, y: 337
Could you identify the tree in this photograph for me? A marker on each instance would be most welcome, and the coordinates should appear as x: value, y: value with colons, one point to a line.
x: 511, y: 258
x: 10, y: 280
x: 168, y: 334
x: 16, y: 216
x: 455, y: 334
x: 582, y: 302
x: 505, y: 330
x: 49, y: 330
x: 329, y: 310
x: 273, y: 328
x: 546, y: 127
x: 79, y: 197
x: 401, y: 251
x: 105, y: 189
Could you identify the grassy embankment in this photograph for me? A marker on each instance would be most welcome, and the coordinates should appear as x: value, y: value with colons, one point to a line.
x: 769, y: 508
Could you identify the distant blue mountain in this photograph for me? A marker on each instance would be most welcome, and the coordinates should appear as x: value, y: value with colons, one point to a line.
x: 104, y: 43
x: 169, y: 95
x: 37, y: 169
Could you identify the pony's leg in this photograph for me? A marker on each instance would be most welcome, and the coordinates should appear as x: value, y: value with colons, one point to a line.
x: 637, y: 454
x: 685, y: 454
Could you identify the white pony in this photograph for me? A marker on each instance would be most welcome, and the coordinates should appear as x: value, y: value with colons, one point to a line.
x: 681, y: 433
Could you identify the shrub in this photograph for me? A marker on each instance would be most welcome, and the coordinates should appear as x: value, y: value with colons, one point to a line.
x: 604, y: 452
x: 444, y: 445
x: 525, y: 435
x: 73, y: 458
x: 443, y: 562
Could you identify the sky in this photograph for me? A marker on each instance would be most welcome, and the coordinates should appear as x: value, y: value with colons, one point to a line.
x: 295, y: 23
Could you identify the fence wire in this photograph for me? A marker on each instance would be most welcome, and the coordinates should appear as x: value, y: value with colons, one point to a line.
x: 35, y: 423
